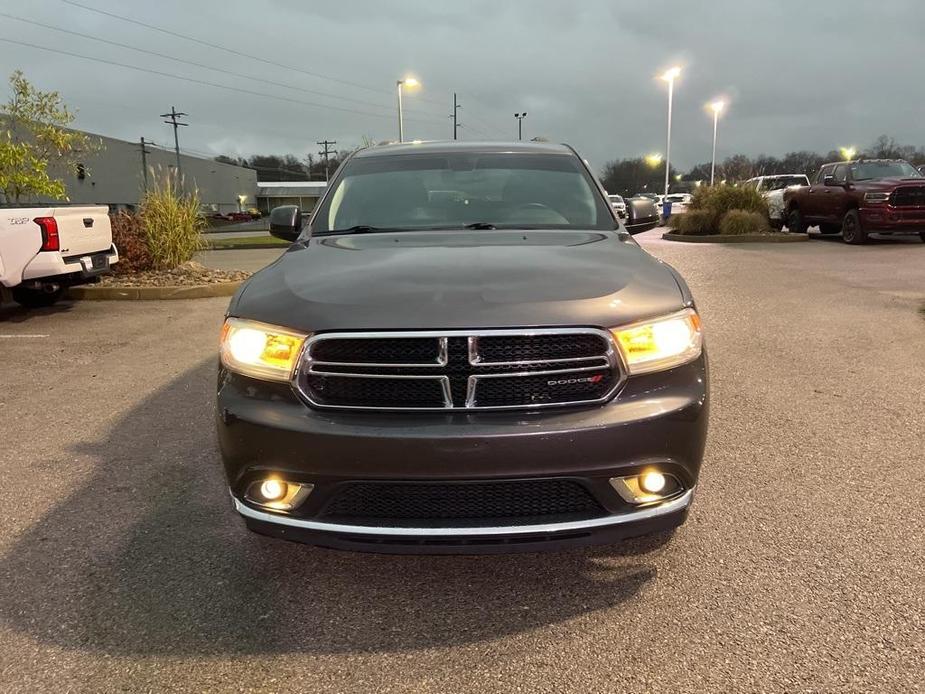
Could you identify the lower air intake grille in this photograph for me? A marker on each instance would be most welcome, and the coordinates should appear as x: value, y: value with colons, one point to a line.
x: 461, y: 504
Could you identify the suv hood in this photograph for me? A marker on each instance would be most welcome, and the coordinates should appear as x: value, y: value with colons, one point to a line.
x: 449, y: 279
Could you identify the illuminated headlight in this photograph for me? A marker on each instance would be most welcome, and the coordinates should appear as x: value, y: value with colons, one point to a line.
x: 660, y: 344
x: 876, y: 197
x: 260, y: 350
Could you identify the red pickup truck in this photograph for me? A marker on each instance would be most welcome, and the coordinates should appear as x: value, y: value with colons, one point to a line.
x: 857, y: 198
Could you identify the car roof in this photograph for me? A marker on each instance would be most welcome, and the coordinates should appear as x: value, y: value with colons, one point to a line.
x: 451, y: 146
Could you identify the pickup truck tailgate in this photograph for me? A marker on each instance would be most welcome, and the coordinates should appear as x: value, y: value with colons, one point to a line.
x: 83, y: 230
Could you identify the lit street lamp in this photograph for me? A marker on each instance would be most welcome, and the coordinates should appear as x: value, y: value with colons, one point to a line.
x: 847, y: 153
x: 669, y: 76
x: 407, y: 82
x: 717, y: 108
x: 520, y: 124
x: 653, y: 160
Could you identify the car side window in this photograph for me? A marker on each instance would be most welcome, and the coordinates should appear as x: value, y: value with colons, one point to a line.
x: 841, y: 173
x: 823, y: 172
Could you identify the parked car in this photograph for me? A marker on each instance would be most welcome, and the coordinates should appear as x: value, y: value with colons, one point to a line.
x: 679, y: 202
x: 44, y: 250
x: 772, y: 190
x: 858, y: 198
x: 618, y: 204
x: 498, y: 370
x: 641, y: 215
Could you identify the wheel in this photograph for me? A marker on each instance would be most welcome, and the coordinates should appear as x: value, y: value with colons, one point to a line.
x: 851, y: 230
x: 795, y: 222
x: 776, y: 224
x: 37, y: 298
x: 830, y: 228
x: 922, y: 236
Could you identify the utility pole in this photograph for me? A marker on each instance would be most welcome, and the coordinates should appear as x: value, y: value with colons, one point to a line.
x: 456, y: 123
x: 326, y: 144
x: 520, y: 124
x: 173, y: 116
x: 144, y: 161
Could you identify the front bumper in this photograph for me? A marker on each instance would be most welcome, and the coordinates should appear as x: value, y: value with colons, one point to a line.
x: 655, y: 420
x: 885, y: 219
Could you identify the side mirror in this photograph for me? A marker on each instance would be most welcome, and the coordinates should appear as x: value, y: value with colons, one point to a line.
x: 830, y: 181
x: 286, y: 222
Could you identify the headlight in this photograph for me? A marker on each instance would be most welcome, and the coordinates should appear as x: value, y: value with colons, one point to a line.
x: 876, y: 197
x: 660, y: 344
x: 260, y: 350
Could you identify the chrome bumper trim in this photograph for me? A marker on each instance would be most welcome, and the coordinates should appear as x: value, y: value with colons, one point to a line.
x: 663, y: 509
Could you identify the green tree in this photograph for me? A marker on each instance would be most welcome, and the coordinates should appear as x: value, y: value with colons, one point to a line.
x: 34, y: 133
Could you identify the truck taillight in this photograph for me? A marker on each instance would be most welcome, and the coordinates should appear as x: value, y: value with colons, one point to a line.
x: 49, y: 227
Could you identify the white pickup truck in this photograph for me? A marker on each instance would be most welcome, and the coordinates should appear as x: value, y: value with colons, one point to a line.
x: 772, y: 190
x: 44, y: 250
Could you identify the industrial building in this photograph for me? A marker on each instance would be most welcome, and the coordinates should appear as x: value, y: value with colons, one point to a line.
x: 115, y: 176
x: 305, y: 194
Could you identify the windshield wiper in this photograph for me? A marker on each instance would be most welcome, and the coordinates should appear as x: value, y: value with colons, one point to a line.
x: 361, y: 229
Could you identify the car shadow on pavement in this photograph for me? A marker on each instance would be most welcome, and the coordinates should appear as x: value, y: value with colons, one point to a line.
x: 147, y: 557
x: 14, y: 313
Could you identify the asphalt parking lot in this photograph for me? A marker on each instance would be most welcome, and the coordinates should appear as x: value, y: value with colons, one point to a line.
x: 802, y: 567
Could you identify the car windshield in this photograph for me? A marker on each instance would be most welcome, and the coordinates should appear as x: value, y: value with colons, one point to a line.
x: 461, y: 189
x: 868, y: 170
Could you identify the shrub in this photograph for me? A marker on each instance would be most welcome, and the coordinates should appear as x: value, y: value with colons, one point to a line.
x: 736, y: 222
x: 694, y: 223
x: 172, y: 223
x: 722, y: 198
x: 131, y: 241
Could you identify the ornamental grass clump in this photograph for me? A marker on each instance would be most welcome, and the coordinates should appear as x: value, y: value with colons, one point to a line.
x: 171, y: 222
x: 738, y: 222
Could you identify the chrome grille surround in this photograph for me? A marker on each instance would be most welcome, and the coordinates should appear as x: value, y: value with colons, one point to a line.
x: 607, y: 360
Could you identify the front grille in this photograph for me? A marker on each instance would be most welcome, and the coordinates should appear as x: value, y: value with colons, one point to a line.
x: 461, y: 504
x: 459, y: 370
x: 909, y: 196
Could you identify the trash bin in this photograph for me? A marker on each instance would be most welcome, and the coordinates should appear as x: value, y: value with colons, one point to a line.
x: 666, y: 210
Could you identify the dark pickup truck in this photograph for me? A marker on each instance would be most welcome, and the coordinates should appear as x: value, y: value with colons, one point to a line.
x: 858, y: 198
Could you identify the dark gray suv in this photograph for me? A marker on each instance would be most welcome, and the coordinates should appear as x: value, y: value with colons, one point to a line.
x: 462, y: 351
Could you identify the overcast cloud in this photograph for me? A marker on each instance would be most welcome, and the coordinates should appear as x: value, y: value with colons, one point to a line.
x: 799, y: 74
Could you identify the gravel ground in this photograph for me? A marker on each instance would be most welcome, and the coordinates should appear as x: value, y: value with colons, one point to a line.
x: 188, y: 274
x: 801, y: 568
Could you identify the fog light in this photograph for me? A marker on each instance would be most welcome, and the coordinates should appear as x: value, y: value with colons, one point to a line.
x: 653, y: 482
x: 272, y: 490
x: 278, y: 495
x: 647, y: 487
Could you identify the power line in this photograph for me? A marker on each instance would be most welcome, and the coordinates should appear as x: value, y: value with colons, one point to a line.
x: 198, y: 81
x: 224, y: 48
x: 190, y: 62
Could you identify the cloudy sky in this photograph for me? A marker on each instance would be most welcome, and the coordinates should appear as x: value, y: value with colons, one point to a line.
x: 799, y: 74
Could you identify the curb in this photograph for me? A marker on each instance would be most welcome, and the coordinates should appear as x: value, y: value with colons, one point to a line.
x: 199, y: 291
x: 741, y: 238
x: 245, y: 246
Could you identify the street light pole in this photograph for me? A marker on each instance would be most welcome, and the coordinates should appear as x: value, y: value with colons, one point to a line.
x: 401, y: 126
x: 717, y: 107
x: 520, y: 124
x: 669, y: 77
x: 410, y: 82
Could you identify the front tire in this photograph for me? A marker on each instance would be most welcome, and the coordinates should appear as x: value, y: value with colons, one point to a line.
x: 851, y: 229
x: 795, y: 222
x: 37, y: 298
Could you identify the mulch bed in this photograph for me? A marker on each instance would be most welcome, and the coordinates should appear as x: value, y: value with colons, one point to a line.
x: 187, y: 275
